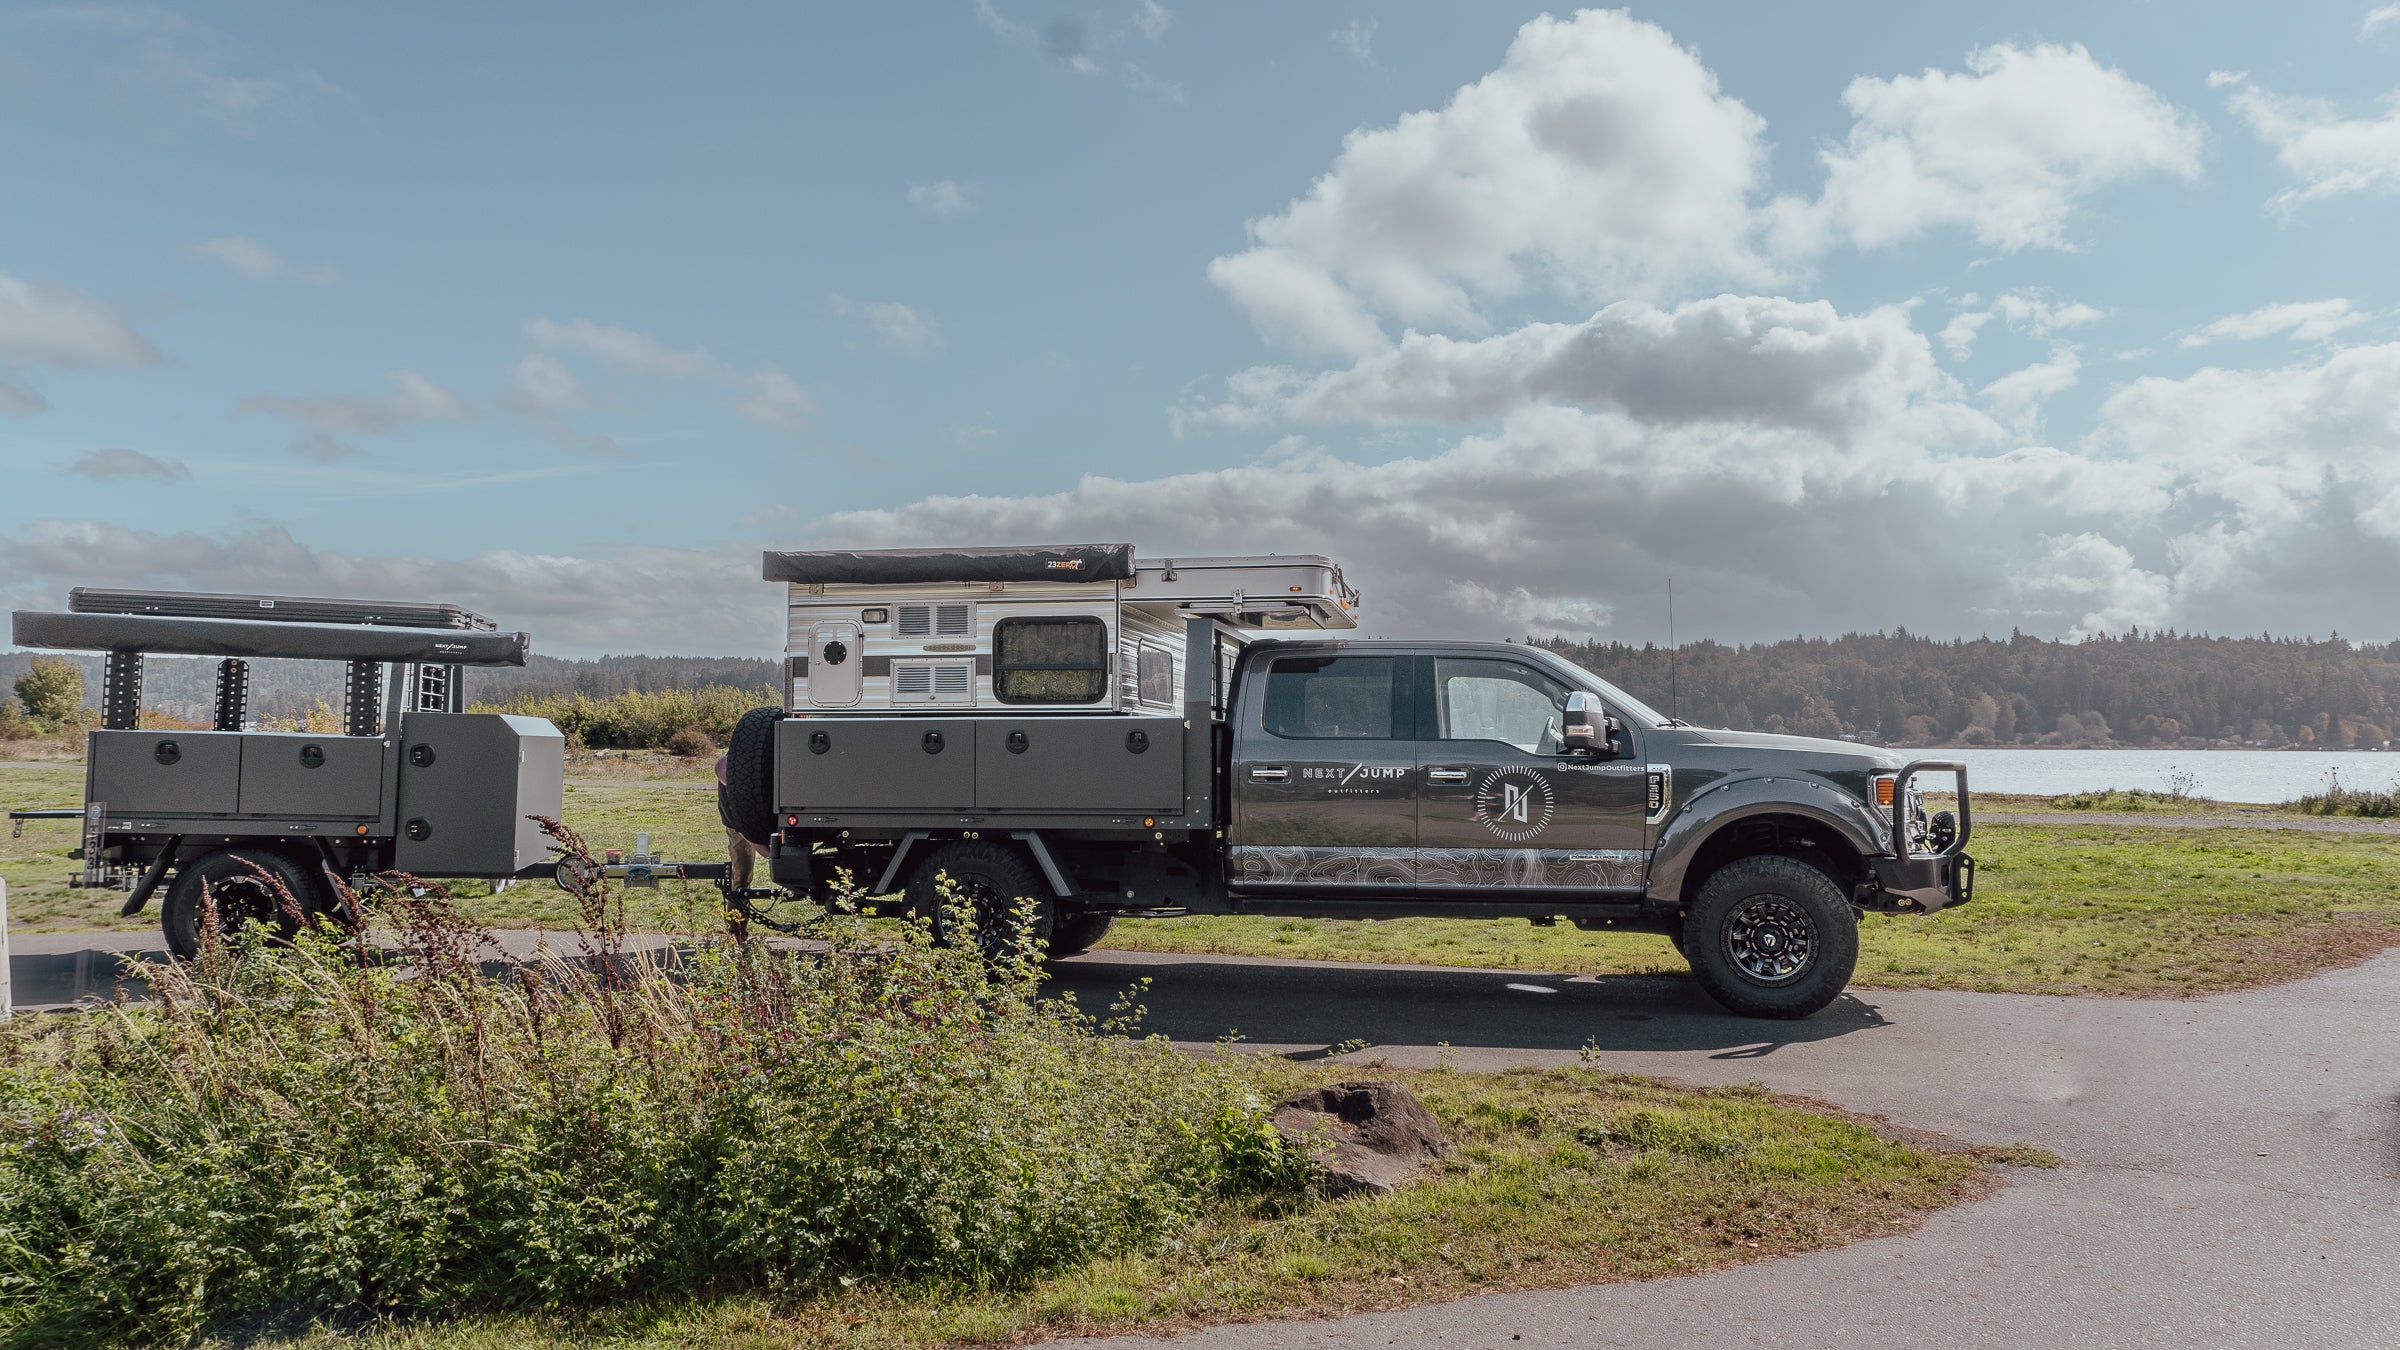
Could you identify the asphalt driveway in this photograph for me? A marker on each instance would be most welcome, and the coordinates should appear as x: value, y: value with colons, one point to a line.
x: 2234, y: 1174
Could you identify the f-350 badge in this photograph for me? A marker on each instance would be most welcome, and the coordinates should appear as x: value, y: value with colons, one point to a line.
x: 1513, y: 804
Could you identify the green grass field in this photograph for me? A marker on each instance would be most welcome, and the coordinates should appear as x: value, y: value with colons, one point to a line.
x: 2062, y: 907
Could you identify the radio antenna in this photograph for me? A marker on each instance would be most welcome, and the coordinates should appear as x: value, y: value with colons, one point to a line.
x: 1674, y: 703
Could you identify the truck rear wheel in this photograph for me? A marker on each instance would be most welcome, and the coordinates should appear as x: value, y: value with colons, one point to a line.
x: 746, y: 803
x: 1771, y: 937
x: 993, y: 883
x: 1073, y: 933
x: 231, y: 878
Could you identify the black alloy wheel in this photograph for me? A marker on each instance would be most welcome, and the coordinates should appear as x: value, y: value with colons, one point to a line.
x: 1772, y: 937
x: 1002, y: 895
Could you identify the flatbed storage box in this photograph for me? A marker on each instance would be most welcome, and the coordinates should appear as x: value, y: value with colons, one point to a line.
x: 469, y: 784
x: 995, y: 766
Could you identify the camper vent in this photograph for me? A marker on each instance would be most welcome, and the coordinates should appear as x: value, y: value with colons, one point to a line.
x: 936, y: 621
x: 936, y: 682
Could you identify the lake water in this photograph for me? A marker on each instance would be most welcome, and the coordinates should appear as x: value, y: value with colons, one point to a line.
x: 2226, y: 775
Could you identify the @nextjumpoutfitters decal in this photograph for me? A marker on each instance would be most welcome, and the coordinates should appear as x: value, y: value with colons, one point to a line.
x: 1513, y: 804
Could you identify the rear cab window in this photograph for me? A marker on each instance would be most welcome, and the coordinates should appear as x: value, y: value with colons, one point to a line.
x: 1336, y: 698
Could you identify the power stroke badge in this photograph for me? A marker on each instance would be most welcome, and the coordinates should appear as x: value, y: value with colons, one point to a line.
x: 1514, y: 804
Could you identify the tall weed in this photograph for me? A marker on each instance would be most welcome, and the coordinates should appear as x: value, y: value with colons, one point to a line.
x: 331, y: 1128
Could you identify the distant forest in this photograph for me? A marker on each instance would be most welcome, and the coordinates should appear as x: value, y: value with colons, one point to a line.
x: 2163, y: 689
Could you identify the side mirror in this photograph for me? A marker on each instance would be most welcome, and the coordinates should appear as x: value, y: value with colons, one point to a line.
x: 1588, y: 726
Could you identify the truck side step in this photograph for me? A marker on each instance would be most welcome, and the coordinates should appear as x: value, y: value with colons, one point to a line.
x: 1298, y: 907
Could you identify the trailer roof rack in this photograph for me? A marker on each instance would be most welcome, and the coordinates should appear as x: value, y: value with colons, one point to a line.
x: 276, y: 608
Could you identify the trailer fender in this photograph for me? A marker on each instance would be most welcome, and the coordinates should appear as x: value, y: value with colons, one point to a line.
x: 1734, y: 800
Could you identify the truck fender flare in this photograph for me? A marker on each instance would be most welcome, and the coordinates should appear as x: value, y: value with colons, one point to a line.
x: 1725, y: 804
x: 1031, y: 839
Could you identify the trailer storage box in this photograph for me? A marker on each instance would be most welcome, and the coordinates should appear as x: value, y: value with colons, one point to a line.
x: 469, y: 783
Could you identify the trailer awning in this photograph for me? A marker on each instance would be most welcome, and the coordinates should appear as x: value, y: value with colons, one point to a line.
x: 278, y: 608
x: 903, y: 566
x: 254, y: 638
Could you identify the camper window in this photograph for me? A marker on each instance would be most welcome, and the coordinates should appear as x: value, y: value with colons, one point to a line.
x: 1062, y: 660
x: 1155, y: 676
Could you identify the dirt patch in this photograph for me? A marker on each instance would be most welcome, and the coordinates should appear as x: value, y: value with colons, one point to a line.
x: 2344, y: 940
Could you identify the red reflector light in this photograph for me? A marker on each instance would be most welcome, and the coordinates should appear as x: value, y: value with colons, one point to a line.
x: 791, y: 820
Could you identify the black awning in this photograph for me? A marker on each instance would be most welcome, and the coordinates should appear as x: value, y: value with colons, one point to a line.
x: 248, y: 638
x: 902, y: 566
x: 278, y: 608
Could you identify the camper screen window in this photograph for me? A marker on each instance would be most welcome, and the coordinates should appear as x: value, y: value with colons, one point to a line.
x: 1050, y: 660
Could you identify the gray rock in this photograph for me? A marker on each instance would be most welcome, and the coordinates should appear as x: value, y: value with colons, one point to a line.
x: 1362, y: 1136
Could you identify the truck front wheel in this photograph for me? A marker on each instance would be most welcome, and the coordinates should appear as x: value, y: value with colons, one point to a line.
x: 1771, y: 937
x: 997, y: 887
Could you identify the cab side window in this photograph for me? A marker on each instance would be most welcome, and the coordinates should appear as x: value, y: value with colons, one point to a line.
x: 1336, y: 698
x: 1487, y: 700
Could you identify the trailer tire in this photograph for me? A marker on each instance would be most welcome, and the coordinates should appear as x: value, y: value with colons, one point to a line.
x: 1771, y: 936
x: 994, y: 880
x: 1073, y: 934
x: 242, y: 898
x: 746, y: 803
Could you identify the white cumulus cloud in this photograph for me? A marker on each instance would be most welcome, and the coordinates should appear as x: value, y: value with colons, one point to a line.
x: 2300, y: 320
x: 1599, y: 157
x: 255, y: 260
x: 900, y: 327
x: 327, y: 418
x: 44, y: 325
x: 942, y: 197
x: 2328, y: 153
x: 2005, y: 151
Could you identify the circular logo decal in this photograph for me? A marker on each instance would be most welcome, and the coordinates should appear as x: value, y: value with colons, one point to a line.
x: 1513, y: 804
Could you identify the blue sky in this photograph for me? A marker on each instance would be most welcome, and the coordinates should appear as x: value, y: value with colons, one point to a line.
x: 2065, y: 318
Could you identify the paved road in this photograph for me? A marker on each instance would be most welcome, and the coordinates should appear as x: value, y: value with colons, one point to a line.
x: 2235, y: 1176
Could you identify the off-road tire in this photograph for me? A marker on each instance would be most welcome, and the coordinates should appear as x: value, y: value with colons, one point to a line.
x: 994, y: 880
x: 746, y: 804
x: 1078, y: 932
x: 242, y: 897
x: 1756, y: 916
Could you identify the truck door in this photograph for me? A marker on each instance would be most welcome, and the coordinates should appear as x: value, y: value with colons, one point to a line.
x: 1503, y: 806
x: 1324, y: 777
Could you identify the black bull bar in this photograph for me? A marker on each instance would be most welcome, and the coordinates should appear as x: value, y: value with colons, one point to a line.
x: 1926, y: 882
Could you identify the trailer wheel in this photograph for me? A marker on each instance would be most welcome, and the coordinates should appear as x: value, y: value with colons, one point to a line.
x: 993, y: 882
x: 1771, y: 937
x: 242, y: 897
x: 1074, y: 933
x: 746, y: 803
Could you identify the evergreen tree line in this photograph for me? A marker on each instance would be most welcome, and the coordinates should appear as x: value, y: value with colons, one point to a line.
x: 2159, y: 688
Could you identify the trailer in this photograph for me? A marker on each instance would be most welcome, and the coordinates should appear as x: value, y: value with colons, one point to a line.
x: 409, y: 783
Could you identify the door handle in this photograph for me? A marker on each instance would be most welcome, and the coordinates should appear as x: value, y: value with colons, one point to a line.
x: 1269, y: 775
x: 1445, y: 775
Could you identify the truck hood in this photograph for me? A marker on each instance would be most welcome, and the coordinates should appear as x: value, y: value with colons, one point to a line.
x: 1813, y: 745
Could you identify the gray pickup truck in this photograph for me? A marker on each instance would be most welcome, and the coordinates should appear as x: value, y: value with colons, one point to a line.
x: 1108, y: 737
